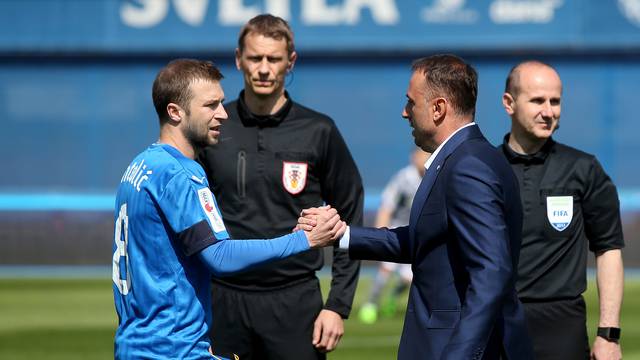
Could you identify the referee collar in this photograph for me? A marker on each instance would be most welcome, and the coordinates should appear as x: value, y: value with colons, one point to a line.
x: 527, y: 159
x: 250, y: 119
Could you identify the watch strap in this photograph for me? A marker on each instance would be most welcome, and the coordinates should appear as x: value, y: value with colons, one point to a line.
x: 609, y: 333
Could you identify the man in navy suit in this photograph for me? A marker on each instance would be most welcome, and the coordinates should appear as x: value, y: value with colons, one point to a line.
x: 464, y: 233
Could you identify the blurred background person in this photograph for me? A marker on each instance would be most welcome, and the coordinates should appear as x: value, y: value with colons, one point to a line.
x: 394, y: 211
x: 281, y: 157
x: 569, y: 204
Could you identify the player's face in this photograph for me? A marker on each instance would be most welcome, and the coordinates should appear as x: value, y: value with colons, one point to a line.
x: 206, y: 113
x: 419, y: 111
x: 535, y: 111
x: 265, y: 63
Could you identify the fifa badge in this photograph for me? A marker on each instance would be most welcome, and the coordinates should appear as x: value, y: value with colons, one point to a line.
x: 560, y: 211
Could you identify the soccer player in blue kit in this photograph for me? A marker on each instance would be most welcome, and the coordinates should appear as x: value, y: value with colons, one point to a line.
x: 169, y: 235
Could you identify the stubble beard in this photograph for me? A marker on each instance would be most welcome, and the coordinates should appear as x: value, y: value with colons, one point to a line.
x: 198, y: 139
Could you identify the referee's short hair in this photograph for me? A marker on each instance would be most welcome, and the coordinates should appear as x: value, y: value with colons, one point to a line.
x: 173, y: 84
x: 269, y: 26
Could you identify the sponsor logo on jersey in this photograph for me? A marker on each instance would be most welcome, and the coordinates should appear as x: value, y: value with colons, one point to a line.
x: 208, y: 205
x: 197, y: 179
x: 294, y: 176
x: 560, y: 211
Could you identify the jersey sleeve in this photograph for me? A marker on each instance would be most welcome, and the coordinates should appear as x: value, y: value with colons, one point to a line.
x: 342, y: 189
x: 192, y: 213
x: 601, y: 210
x: 230, y: 256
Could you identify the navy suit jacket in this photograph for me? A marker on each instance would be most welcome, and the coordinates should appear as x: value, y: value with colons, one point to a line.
x: 463, y: 242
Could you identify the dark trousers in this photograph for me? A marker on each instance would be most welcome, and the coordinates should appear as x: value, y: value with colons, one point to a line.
x: 558, y: 329
x: 270, y: 325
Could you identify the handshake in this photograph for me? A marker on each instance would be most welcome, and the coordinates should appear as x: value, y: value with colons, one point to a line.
x: 321, y: 225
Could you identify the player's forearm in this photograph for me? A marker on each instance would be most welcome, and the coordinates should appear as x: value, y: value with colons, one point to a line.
x: 228, y: 256
x: 610, y: 279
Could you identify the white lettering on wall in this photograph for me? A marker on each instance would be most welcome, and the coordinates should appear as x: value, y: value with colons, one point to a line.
x: 519, y: 12
x: 191, y: 11
x: 318, y: 12
x: 384, y: 12
x: 448, y: 11
x: 631, y: 10
x: 234, y: 12
x: 280, y: 8
x: 147, y: 13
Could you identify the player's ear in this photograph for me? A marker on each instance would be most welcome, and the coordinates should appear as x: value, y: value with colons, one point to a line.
x: 175, y: 112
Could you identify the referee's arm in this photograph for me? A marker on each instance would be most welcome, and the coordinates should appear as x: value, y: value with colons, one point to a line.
x: 603, y: 228
x: 342, y: 189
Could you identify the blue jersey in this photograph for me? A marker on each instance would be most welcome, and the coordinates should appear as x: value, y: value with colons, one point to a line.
x: 165, y: 213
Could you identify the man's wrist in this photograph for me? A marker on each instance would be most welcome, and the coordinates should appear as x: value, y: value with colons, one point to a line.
x: 609, y: 333
x: 338, y: 312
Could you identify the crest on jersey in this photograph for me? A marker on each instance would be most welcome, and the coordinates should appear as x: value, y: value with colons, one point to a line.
x: 560, y: 211
x: 211, y: 210
x: 294, y: 176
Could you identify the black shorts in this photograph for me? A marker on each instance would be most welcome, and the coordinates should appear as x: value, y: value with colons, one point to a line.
x: 269, y: 325
x: 558, y: 329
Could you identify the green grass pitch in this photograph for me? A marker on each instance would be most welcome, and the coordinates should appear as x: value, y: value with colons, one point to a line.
x: 75, y: 319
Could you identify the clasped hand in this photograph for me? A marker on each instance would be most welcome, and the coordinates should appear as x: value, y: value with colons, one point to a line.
x: 322, y: 225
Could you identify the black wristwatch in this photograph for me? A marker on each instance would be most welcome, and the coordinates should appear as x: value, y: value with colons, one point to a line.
x: 609, y: 333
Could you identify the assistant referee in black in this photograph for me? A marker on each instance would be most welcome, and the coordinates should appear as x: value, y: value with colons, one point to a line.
x: 569, y: 203
x: 276, y: 157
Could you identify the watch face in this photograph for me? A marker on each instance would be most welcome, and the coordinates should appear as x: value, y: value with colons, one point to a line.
x: 614, y: 333
x: 609, y: 333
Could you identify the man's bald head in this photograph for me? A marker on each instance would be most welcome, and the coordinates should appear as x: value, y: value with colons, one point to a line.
x: 513, y: 84
x: 532, y: 99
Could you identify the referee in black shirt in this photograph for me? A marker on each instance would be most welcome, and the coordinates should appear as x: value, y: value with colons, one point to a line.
x: 275, y: 158
x: 569, y: 202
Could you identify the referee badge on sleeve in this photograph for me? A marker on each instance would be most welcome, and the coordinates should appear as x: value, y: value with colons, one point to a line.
x: 560, y: 211
x: 294, y: 176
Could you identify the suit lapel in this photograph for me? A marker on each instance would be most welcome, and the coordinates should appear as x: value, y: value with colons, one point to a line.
x: 422, y: 194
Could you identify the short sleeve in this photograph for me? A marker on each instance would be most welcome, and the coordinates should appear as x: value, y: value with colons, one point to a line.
x: 601, y: 209
x: 192, y: 213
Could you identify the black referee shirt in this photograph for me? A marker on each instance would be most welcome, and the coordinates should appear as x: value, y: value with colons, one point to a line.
x: 250, y: 173
x: 567, y: 201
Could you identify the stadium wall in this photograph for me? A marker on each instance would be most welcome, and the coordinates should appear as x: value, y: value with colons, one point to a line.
x: 75, y: 80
